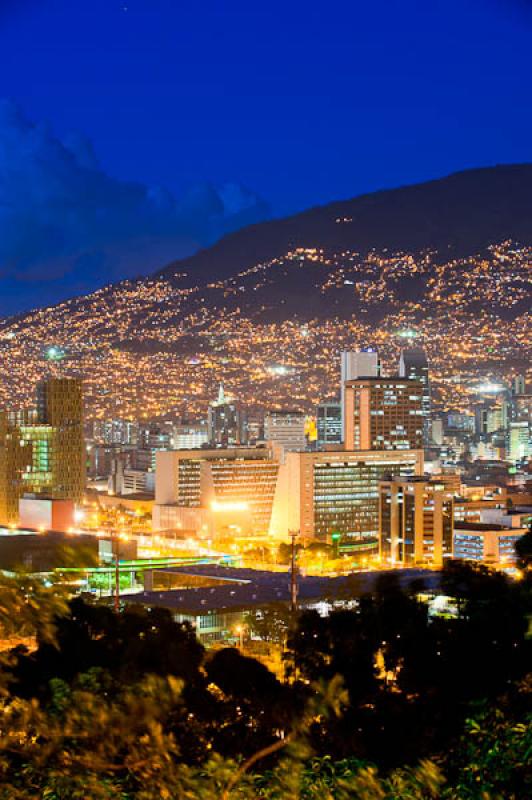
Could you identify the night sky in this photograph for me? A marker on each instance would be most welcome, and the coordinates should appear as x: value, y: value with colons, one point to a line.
x: 136, y: 131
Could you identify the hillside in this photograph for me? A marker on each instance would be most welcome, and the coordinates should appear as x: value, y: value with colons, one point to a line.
x: 268, y: 308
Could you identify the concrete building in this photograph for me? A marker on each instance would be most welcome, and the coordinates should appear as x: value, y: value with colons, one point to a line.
x: 285, y: 428
x: 263, y: 492
x: 518, y: 441
x: 489, y: 543
x: 329, y: 425
x: 356, y: 364
x: 190, y: 436
x: 45, y: 513
x: 414, y: 365
x: 216, y: 490
x: 383, y: 414
x: 416, y: 519
x: 322, y: 493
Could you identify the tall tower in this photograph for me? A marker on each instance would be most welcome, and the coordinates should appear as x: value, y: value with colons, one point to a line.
x: 226, y: 422
x: 383, y: 414
x: 356, y: 364
x: 414, y: 365
x: 60, y: 408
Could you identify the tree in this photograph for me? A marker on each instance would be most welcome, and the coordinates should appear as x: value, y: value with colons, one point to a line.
x: 523, y: 550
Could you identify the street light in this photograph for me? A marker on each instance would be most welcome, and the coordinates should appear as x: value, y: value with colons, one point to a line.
x: 239, y: 630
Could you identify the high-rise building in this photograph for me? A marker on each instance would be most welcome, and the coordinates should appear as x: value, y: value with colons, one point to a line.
x: 60, y: 407
x: 329, y: 424
x: 414, y: 365
x: 226, y: 422
x: 42, y: 451
x: 518, y: 441
x: 322, y: 493
x: 286, y: 428
x: 356, y: 364
x: 519, y: 385
x: 415, y: 521
x: 383, y: 414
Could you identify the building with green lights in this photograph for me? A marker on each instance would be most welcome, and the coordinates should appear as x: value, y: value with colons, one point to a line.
x: 42, y: 450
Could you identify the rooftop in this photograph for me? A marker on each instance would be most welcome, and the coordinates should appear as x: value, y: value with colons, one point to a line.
x: 247, y: 588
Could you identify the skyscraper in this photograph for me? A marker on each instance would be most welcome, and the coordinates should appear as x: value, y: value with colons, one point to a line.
x: 226, y: 422
x: 383, y: 414
x: 42, y: 451
x: 356, y: 364
x: 414, y: 365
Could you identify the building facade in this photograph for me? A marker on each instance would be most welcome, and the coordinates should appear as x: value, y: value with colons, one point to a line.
x: 413, y: 364
x: 286, y: 428
x: 416, y: 519
x: 329, y: 425
x: 42, y: 451
x: 322, y: 493
x: 383, y: 414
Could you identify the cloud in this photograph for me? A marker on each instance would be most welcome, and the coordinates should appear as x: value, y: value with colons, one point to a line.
x: 65, y: 223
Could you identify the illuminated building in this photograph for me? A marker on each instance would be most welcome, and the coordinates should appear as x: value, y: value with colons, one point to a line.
x: 219, y: 490
x: 188, y: 436
x: 356, y: 364
x: 286, y: 428
x: 518, y: 442
x: 329, y: 424
x: 488, y: 543
x: 226, y: 422
x: 115, y: 431
x: 519, y: 385
x: 330, y: 492
x: 42, y: 451
x: 414, y: 365
x: 416, y: 518
x: 383, y: 414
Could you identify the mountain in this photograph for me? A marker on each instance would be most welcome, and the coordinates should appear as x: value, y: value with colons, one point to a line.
x: 460, y: 214
x: 448, y: 259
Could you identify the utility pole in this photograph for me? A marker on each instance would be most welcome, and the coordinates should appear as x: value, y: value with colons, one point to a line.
x: 116, y: 547
x: 293, y: 572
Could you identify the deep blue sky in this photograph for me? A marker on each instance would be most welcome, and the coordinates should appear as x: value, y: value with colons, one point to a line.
x: 299, y: 102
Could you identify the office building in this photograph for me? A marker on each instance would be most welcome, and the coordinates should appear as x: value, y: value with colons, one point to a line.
x: 216, y: 491
x: 416, y: 518
x: 518, y: 441
x: 356, y: 364
x: 286, y: 428
x: 42, y: 451
x: 488, y: 543
x: 322, y: 493
x: 413, y: 364
x: 190, y: 436
x: 519, y: 385
x: 329, y: 425
x: 226, y: 422
x: 383, y: 414
x: 115, y: 432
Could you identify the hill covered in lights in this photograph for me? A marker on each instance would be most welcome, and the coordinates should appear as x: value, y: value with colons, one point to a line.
x: 449, y: 260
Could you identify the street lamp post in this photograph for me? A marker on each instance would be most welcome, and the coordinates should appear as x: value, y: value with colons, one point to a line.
x: 115, y: 538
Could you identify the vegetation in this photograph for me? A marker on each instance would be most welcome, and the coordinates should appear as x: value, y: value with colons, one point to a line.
x: 384, y: 701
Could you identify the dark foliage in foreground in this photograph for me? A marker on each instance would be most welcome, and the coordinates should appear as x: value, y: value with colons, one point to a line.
x: 131, y: 706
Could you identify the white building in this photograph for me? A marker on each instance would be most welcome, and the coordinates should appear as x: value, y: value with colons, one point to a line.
x: 286, y: 428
